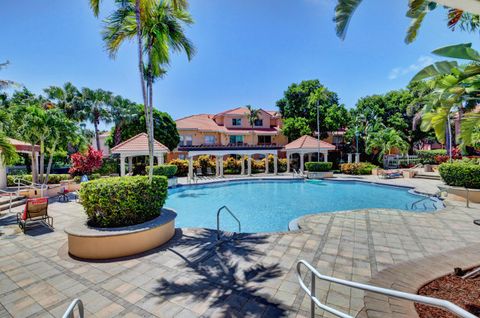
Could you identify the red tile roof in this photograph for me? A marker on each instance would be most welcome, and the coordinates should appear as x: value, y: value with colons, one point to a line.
x: 308, y: 142
x: 138, y: 143
x: 22, y: 145
x: 203, y: 122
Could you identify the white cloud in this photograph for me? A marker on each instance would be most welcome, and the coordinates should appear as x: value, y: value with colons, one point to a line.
x: 401, y: 71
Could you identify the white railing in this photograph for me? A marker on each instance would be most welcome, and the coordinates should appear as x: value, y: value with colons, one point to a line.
x: 69, y: 313
x: 233, y: 215
x: 4, y: 193
x: 444, y: 304
x: 22, y: 183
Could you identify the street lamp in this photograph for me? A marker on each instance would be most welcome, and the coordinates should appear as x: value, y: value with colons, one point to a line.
x: 318, y: 131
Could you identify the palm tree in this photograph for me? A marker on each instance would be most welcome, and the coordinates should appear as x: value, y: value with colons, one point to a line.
x: 161, y: 32
x: 122, y: 110
x: 252, y: 115
x: 8, y: 154
x: 67, y: 98
x: 4, y: 84
x: 384, y: 141
x: 96, y: 105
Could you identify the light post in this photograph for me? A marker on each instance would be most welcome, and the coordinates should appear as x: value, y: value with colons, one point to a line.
x: 318, y: 131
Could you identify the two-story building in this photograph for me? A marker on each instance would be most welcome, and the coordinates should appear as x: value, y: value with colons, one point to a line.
x: 230, y: 129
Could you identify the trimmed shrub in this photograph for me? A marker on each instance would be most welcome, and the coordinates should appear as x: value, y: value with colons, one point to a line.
x: 257, y: 166
x: 204, y: 162
x: 318, y: 166
x: 361, y: 168
x: 182, y: 167
x: 232, y: 165
x: 427, y: 157
x: 52, y: 179
x: 165, y: 170
x: 120, y: 201
x: 461, y: 174
x: 109, y: 166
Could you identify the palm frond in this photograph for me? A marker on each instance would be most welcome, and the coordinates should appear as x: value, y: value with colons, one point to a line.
x: 8, y: 154
x: 343, y: 14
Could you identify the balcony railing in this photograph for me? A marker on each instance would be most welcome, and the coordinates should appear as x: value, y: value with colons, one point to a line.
x: 236, y: 146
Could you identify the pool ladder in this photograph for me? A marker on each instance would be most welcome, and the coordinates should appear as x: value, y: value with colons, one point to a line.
x: 218, y: 220
x: 431, y: 197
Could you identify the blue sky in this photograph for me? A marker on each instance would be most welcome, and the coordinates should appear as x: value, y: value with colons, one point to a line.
x: 248, y: 51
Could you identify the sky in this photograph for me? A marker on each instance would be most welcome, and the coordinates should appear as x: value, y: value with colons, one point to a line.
x: 248, y: 51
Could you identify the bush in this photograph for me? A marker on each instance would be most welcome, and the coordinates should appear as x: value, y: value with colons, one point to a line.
x: 182, y: 167
x: 109, y: 166
x: 232, y: 165
x: 318, y: 166
x: 120, y: 201
x: 165, y: 170
x: 204, y: 162
x: 427, y: 157
x: 461, y: 174
x: 257, y: 166
x: 361, y: 168
x: 85, y: 163
x: 52, y: 179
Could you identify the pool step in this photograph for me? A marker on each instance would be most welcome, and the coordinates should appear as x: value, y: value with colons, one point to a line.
x: 429, y: 176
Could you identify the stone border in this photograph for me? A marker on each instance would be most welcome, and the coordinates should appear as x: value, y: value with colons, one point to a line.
x: 409, y: 277
x: 461, y: 194
x: 106, y: 243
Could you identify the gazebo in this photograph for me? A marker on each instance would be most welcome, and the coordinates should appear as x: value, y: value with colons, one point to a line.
x: 307, y: 145
x: 138, y: 146
x: 20, y: 147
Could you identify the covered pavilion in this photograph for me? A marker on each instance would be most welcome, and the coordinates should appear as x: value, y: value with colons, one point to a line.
x: 138, y: 146
x: 20, y: 147
x: 307, y: 145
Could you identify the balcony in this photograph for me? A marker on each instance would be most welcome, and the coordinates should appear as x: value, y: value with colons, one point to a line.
x: 232, y: 146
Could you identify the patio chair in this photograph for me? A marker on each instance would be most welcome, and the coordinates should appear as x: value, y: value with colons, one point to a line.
x: 385, y: 174
x: 210, y: 172
x: 35, y: 210
x: 63, y: 195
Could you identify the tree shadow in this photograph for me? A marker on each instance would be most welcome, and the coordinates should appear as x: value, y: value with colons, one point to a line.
x: 227, y: 277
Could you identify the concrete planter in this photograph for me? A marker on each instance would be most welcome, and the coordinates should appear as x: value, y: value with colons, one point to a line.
x: 106, y: 243
x: 172, y: 182
x: 375, y: 171
x: 408, y: 173
x: 319, y: 174
x: 461, y: 194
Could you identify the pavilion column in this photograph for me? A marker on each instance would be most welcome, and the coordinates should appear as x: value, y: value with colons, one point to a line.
x: 288, y: 162
x: 242, y: 162
x: 160, y: 160
x: 221, y: 166
x: 190, y: 168
x: 266, y: 164
x: 310, y: 157
x: 325, y: 156
x: 249, y: 165
x: 130, y: 164
x: 302, y: 163
x: 275, y: 164
x: 357, y: 157
x: 122, y: 165
x: 217, y: 166
x: 3, y: 176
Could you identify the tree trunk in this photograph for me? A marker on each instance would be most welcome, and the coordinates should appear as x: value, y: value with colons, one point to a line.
x: 140, y: 68
x: 34, y: 165
x: 42, y: 159
x: 97, y: 137
x: 118, y: 133
x: 50, y: 161
x: 150, y: 109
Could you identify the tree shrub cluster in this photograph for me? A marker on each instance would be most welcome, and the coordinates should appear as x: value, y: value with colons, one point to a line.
x: 461, y: 174
x: 53, y: 178
x: 116, y: 202
x: 428, y: 156
x: 318, y: 166
x: 361, y: 168
x: 165, y: 170
x: 86, y: 163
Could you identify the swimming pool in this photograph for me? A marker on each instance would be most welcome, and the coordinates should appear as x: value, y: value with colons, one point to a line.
x: 269, y: 205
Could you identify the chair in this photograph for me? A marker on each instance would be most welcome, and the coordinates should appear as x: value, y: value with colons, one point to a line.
x: 63, y: 195
x: 35, y: 210
x: 384, y: 174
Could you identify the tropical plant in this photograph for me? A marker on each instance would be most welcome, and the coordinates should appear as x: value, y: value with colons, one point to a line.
x: 252, y: 115
x: 383, y: 142
x: 295, y: 128
x: 122, y: 111
x: 67, y: 98
x: 95, y: 108
x: 418, y: 9
x: 4, y: 84
x: 85, y: 163
x: 8, y: 154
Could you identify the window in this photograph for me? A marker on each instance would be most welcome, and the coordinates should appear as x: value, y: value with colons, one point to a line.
x: 258, y: 122
x: 185, y: 140
x: 264, y: 140
x: 209, y: 140
x: 236, y: 122
x: 236, y: 140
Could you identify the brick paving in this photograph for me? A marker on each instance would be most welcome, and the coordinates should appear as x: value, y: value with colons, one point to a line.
x: 253, y: 276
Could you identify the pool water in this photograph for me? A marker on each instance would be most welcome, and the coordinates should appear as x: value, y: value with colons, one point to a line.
x: 269, y: 205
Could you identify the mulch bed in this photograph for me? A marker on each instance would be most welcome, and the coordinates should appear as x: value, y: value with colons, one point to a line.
x: 462, y: 292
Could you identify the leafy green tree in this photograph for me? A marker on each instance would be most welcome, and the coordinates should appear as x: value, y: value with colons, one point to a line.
x: 67, y: 98
x: 95, y: 108
x: 385, y: 141
x: 164, y: 126
x: 122, y: 111
x: 295, y: 128
x: 8, y: 154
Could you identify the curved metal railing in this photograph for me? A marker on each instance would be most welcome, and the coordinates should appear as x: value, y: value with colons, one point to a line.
x: 233, y: 215
x: 69, y: 313
x: 4, y: 193
x: 29, y: 184
x: 444, y: 304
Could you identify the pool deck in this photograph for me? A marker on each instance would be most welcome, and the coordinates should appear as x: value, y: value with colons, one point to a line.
x: 250, y: 277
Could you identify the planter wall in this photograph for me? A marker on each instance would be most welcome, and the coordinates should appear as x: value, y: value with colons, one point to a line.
x: 319, y: 175
x: 106, y: 243
x: 461, y: 194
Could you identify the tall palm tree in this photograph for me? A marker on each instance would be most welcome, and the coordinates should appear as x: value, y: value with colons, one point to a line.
x: 96, y: 104
x: 384, y: 141
x: 252, y: 115
x: 161, y: 32
x: 122, y: 110
x: 67, y: 98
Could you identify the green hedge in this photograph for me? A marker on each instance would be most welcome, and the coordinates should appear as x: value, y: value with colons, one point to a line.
x: 123, y: 201
x: 318, y: 166
x: 52, y: 179
x: 427, y: 157
x: 165, y: 170
x: 361, y: 168
x: 461, y: 174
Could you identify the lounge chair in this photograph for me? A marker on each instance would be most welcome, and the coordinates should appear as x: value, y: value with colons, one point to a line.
x: 35, y: 210
x: 63, y: 195
x: 392, y: 174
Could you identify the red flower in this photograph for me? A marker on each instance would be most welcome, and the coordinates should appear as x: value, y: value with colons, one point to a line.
x: 85, y: 163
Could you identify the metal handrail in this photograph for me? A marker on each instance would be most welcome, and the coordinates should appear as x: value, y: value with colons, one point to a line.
x: 233, y: 215
x: 431, y: 197
x: 31, y: 184
x: 444, y: 304
x: 75, y: 303
x: 11, y: 195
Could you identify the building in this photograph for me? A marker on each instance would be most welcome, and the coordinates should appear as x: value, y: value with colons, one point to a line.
x: 230, y: 129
